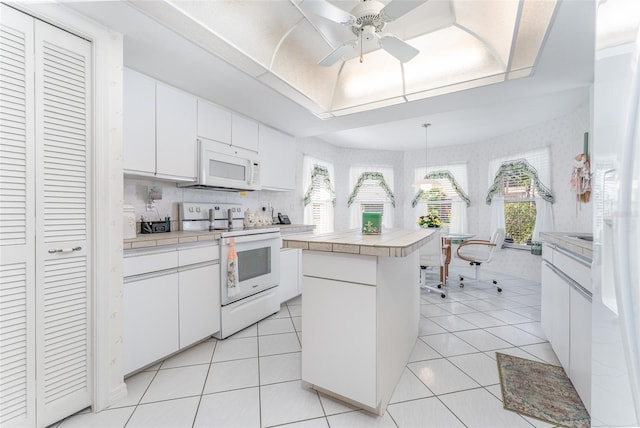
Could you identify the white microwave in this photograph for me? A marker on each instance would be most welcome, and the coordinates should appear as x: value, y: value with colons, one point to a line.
x: 221, y: 166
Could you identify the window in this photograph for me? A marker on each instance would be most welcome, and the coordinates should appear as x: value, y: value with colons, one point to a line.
x: 372, y: 191
x: 439, y: 201
x: 520, y: 200
x: 449, y: 200
x: 319, y: 196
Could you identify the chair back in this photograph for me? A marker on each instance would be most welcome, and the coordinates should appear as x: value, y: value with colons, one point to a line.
x: 498, y: 239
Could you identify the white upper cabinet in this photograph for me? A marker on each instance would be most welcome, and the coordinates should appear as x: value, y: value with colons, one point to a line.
x: 159, y: 129
x: 277, y: 160
x: 176, y: 146
x: 217, y: 124
x: 214, y: 123
x: 244, y: 133
x: 162, y: 125
x: 139, y: 123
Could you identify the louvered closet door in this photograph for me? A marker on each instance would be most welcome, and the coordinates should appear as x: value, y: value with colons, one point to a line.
x: 17, y: 243
x: 62, y: 158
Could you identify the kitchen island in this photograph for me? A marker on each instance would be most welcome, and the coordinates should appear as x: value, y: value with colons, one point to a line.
x: 361, y: 308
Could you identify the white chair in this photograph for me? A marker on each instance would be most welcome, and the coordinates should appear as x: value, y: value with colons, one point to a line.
x: 477, y: 251
x: 431, y: 256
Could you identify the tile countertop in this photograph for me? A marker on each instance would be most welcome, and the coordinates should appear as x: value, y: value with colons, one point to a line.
x: 391, y: 243
x: 569, y: 242
x: 287, y: 229
x: 182, y: 237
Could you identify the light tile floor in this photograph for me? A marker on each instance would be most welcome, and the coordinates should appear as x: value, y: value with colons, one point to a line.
x: 252, y: 379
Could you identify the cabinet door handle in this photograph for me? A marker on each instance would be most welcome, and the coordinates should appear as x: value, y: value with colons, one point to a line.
x: 64, y: 250
x: 570, y: 281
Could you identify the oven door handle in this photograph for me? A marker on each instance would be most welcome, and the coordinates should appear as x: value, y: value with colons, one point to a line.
x: 251, y: 238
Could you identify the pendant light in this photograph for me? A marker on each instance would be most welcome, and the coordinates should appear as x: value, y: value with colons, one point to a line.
x: 426, y: 184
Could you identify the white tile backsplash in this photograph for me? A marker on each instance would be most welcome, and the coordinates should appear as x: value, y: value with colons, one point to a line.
x: 135, y: 194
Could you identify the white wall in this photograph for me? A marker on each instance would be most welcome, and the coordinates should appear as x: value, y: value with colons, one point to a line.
x: 563, y: 135
x: 342, y: 159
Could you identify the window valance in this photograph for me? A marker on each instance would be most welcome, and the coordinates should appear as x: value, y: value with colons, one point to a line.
x: 319, y: 177
x: 451, y: 187
x: 375, y: 176
x: 518, y: 167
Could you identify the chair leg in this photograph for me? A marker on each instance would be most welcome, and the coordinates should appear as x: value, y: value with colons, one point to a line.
x: 423, y: 277
x: 477, y: 277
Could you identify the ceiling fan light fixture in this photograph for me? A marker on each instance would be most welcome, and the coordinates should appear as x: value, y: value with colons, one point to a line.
x: 367, y: 21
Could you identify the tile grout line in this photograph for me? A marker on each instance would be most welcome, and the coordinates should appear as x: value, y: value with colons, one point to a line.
x: 142, y: 396
x: 204, y: 385
x: 259, y: 377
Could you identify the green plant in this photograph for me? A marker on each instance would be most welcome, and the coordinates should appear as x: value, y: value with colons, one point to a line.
x: 536, y: 248
x: 520, y: 219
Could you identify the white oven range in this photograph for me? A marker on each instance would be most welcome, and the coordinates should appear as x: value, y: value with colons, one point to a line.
x: 258, y: 252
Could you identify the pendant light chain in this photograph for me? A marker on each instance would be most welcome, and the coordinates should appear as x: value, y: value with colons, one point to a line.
x: 426, y: 148
x: 361, y: 55
x: 426, y: 184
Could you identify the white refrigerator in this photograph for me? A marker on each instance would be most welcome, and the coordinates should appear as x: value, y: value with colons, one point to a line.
x: 615, y: 379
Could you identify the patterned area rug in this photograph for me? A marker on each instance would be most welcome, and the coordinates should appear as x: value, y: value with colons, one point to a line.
x: 541, y: 391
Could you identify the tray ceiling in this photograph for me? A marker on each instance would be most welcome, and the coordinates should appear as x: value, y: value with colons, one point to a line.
x: 463, y: 44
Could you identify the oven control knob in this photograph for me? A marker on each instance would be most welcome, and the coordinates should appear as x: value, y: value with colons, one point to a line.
x: 190, y: 209
x: 197, y: 209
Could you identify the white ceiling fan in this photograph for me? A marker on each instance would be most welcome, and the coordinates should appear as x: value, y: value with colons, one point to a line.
x: 367, y: 20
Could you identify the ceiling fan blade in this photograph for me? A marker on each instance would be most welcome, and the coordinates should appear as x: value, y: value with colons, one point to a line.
x: 401, y: 50
x: 327, y: 10
x: 341, y: 51
x: 396, y: 8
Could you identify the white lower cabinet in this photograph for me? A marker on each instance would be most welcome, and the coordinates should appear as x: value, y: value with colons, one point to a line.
x: 171, y: 301
x: 353, y: 332
x: 556, y: 303
x: 360, y: 323
x: 199, y: 303
x: 150, y: 319
x: 290, y: 274
x: 566, y: 315
x: 580, y: 350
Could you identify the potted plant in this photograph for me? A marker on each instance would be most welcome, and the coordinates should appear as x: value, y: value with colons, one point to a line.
x: 430, y: 220
x: 536, y: 248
